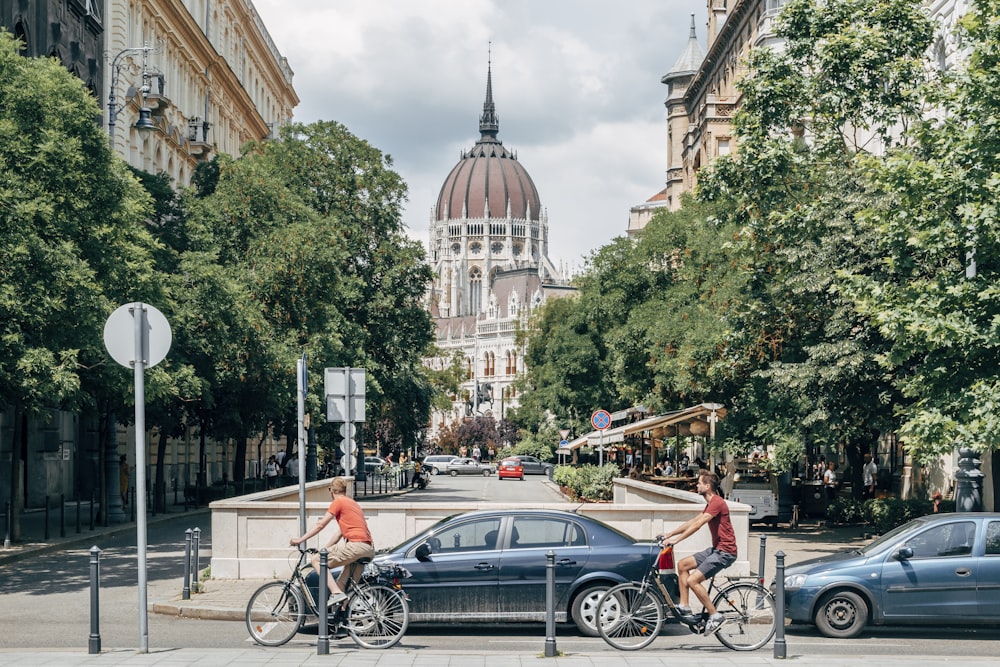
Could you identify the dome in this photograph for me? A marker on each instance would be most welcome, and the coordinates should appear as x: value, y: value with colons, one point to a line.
x: 489, y: 174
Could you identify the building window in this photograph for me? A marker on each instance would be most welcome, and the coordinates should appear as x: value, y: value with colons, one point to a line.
x: 475, y: 291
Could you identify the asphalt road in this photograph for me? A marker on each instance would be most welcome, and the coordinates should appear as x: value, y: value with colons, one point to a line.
x: 45, y: 602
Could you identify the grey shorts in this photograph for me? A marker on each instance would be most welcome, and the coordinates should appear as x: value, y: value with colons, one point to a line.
x: 712, y: 561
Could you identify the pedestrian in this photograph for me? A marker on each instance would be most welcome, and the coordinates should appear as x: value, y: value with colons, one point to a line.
x: 937, y: 501
x: 830, y: 481
x: 869, y: 472
x: 123, y: 478
x: 271, y: 472
x: 476, y: 453
x: 292, y: 466
x: 693, y: 570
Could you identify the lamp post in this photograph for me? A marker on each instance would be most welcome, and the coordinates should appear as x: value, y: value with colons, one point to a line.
x: 145, y: 122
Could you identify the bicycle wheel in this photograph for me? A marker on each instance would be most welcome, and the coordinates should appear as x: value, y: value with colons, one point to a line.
x: 377, y: 616
x: 629, y: 616
x: 749, y: 613
x: 274, y: 613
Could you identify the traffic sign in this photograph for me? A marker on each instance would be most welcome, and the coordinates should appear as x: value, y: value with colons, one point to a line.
x: 600, y: 420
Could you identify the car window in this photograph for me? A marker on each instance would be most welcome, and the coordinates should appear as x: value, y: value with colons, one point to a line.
x: 469, y: 536
x: 535, y: 532
x: 950, y: 539
x: 993, y: 538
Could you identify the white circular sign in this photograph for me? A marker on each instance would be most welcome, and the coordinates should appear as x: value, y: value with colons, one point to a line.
x: 349, y: 447
x: 120, y: 335
x: 348, y: 429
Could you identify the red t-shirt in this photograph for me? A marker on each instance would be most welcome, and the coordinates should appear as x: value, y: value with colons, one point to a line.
x: 351, y: 519
x: 723, y: 536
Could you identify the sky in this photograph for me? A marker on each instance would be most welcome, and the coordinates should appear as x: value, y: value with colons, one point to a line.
x: 576, y: 85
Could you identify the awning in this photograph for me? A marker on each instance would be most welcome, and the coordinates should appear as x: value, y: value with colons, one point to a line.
x: 699, y: 412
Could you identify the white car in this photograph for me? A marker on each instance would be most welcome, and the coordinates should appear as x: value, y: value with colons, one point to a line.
x: 438, y: 463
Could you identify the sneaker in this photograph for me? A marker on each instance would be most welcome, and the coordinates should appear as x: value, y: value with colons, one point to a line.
x: 336, y: 598
x: 687, y: 615
x: 714, y: 623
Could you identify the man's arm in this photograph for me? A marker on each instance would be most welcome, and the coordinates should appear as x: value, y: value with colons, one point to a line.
x: 688, y: 528
x: 315, y: 530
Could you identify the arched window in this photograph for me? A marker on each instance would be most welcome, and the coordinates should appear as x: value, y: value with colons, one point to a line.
x: 475, y: 290
x: 507, y: 370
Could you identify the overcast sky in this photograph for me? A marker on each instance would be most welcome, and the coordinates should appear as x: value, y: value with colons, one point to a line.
x: 576, y: 85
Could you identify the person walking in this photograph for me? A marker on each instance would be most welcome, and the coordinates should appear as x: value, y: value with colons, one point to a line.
x: 693, y: 570
x: 869, y: 472
x: 271, y: 472
x: 351, y: 538
x: 830, y: 481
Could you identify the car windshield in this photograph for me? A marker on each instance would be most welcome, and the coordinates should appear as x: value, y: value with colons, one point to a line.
x: 889, y: 538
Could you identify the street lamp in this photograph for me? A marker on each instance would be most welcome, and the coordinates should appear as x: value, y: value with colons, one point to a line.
x: 145, y: 121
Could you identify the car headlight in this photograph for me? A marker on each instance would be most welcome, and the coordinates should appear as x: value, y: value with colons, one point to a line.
x: 794, y: 581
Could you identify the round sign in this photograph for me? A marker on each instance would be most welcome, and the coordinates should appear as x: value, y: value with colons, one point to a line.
x: 120, y: 335
x: 348, y: 429
x: 601, y: 419
x: 349, y: 447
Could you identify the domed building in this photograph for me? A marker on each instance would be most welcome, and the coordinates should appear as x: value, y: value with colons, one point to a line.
x: 489, y: 238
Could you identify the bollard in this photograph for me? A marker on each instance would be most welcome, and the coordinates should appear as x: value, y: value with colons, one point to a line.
x: 78, y: 513
x: 779, y: 603
x: 62, y: 515
x: 195, y: 584
x: 6, y: 539
x: 323, y: 643
x: 550, y: 602
x: 186, y: 589
x: 763, y: 552
x: 94, y: 644
x: 46, y: 518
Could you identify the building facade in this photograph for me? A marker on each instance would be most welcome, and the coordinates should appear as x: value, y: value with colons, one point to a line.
x: 489, y: 238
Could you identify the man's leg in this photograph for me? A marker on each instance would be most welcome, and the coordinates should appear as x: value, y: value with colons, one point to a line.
x: 684, y: 568
x: 694, y: 582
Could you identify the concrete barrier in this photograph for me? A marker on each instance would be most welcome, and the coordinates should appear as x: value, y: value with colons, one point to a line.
x: 250, y: 533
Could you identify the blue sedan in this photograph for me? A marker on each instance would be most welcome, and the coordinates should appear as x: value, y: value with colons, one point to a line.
x: 942, y: 569
x: 490, y: 566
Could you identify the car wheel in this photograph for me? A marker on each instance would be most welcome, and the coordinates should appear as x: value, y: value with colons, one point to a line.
x: 584, y: 610
x: 487, y: 473
x: 454, y: 473
x: 842, y: 615
x: 434, y: 470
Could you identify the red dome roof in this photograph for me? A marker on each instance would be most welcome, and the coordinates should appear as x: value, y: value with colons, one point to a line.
x: 489, y: 173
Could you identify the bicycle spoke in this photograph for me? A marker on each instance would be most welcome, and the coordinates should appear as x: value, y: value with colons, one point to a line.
x: 750, y: 617
x: 377, y: 616
x: 274, y: 614
x: 629, y: 617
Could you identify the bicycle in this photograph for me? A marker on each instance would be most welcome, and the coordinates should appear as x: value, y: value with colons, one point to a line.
x: 630, y: 615
x: 375, y: 614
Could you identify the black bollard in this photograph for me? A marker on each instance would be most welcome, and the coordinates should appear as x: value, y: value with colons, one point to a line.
x: 323, y: 642
x: 62, y: 515
x: 46, y: 518
x: 550, y: 602
x: 195, y: 583
x: 763, y: 552
x: 779, y: 602
x: 186, y: 590
x: 94, y: 644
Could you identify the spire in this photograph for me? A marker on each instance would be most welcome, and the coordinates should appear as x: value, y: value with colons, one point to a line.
x: 489, y: 124
x: 690, y: 59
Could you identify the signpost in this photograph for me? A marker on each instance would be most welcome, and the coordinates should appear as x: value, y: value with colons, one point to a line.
x: 302, y: 388
x: 345, y: 402
x: 137, y: 335
x: 600, y: 420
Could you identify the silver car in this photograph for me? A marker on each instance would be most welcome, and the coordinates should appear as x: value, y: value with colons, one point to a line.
x: 467, y: 466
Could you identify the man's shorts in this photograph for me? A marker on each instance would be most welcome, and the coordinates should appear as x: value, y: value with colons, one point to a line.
x: 712, y: 561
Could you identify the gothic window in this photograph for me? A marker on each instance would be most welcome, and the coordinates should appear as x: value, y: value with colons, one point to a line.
x: 507, y: 370
x: 512, y: 305
x: 494, y: 309
x: 517, y: 249
x: 496, y: 248
x: 475, y: 291
x: 456, y: 248
x: 475, y: 247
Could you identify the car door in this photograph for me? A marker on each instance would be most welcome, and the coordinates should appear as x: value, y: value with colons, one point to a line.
x: 523, y: 564
x: 939, y: 580
x: 460, y: 575
x: 530, y: 465
x: 989, y: 572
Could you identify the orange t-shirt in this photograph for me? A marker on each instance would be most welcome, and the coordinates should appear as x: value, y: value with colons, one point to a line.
x: 351, y: 519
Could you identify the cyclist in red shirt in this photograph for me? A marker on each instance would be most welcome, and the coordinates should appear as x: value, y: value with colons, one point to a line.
x: 693, y: 570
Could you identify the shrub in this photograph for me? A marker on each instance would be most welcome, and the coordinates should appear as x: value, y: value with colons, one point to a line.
x: 883, y: 514
x: 587, y: 482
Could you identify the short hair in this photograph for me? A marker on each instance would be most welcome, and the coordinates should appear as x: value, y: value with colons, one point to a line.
x: 711, y: 479
x: 338, y: 485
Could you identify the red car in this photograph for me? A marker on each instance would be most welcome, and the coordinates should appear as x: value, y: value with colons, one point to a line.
x: 510, y: 468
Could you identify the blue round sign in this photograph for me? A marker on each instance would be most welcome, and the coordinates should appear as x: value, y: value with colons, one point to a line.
x: 601, y: 419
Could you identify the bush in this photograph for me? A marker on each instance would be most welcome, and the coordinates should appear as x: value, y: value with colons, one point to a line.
x: 587, y: 482
x: 883, y: 514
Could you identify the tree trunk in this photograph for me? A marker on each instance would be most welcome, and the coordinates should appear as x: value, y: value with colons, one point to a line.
x: 18, y: 444
x: 240, y: 459
x: 160, y: 486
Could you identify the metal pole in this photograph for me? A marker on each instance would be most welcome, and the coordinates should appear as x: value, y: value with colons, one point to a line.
x: 7, y: 520
x: 186, y: 589
x: 139, y: 365
x: 763, y: 551
x: 301, y: 400
x: 195, y: 584
x: 94, y: 644
x: 550, y: 601
x: 323, y: 643
x: 779, y: 602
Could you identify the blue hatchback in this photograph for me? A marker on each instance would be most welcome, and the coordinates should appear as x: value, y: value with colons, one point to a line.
x: 490, y: 567
x: 941, y: 569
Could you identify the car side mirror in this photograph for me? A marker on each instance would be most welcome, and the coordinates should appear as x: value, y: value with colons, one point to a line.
x: 423, y: 552
x: 904, y: 553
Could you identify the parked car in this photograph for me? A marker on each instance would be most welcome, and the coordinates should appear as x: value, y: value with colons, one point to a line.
x: 490, y: 566
x: 533, y: 465
x: 437, y: 462
x: 939, y: 569
x: 467, y: 466
x: 374, y: 463
x: 510, y: 468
